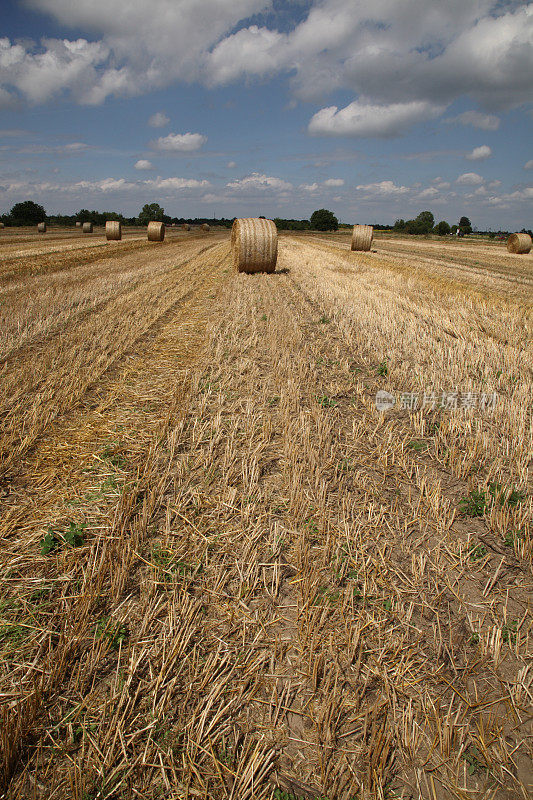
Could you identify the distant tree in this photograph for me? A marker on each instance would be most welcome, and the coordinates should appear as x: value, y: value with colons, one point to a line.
x: 324, y: 220
x: 151, y: 212
x: 425, y: 221
x: 465, y: 225
x: 442, y: 228
x: 27, y: 213
x: 399, y: 225
x: 454, y: 229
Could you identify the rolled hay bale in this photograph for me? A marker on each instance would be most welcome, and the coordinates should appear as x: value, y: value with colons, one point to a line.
x: 186, y: 226
x: 156, y: 231
x: 362, y: 236
x: 206, y: 227
x: 254, y: 243
x: 41, y: 227
x: 78, y: 224
x: 87, y: 227
x: 113, y: 231
x: 519, y: 243
x: 2, y: 226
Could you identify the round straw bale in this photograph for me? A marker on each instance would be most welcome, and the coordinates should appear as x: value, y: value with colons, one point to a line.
x: 156, y: 231
x: 254, y: 243
x: 78, y: 224
x: 41, y: 227
x: 362, y: 236
x: 186, y: 226
x: 87, y: 227
x: 2, y: 226
x: 519, y: 243
x: 206, y: 227
x: 113, y: 230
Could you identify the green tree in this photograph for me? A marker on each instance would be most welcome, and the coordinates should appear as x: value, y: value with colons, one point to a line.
x: 425, y: 221
x: 399, y: 225
x: 27, y: 213
x: 151, y: 212
x: 443, y: 229
x: 324, y: 220
x: 465, y: 225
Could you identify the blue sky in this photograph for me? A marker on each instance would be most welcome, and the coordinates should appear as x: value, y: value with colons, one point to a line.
x: 248, y: 107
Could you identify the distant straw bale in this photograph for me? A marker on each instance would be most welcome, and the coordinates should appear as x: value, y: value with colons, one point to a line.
x: 156, y: 231
x: 113, y: 230
x: 254, y: 243
x: 362, y: 236
x: 87, y: 227
x: 78, y: 224
x: 41, y: 227
x: 186, y: 226
x: 519, y: 243
x: 206, y: 227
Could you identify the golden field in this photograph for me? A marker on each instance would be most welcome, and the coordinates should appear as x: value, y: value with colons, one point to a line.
x: 225, y: 573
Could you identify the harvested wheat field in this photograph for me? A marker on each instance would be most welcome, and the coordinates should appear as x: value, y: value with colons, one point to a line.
x: 225, y: 573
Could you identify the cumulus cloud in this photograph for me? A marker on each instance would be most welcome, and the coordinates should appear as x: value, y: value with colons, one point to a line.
x: 469, y: 179
x: 334, y: 182
x: 231, y: 165
x: 172, y: 184
x: 383, y: 189
x: 179, y: 142
x: 528, y: 164
x: 486, y: 122
x: 258, y: 182
x: 106, y: 185
x: 479, y: 153
x: 364, y: 119
x: 158, y: 120
x: 142, y: 163
x: 386, y: 53
x: 311, y: 188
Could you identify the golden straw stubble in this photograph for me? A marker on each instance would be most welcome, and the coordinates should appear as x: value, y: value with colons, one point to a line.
x: 362, y: 236
x: 519, y: 243
x: 156, y: 231
x: 254, y: 243
x: 113, y: 230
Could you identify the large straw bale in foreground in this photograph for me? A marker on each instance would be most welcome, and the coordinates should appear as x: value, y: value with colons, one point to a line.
x: 113, y: 230
x: 156, y: 231
x: 362, y: 236
x: 254, y: 243
x: 87, y: 227
x: 519, y: 243
x: 206, y: 227
x: 41, y: 227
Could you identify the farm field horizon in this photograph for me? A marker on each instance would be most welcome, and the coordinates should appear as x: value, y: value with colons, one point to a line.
x: 226, y: 573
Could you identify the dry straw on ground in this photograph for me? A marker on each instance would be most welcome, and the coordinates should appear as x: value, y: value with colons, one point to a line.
x: 156, y: 231
x: 519, y: 243
x: 87, y: 227
x: 113, y: 230
x: 206, y: 227
x: 254, y: 244
x: 41, y: 227
x: 362, y: 237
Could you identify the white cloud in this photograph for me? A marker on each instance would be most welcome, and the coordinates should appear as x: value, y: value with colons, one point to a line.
x: 440, y: 183
x: 528, y: 164
x: 179, y: 142
x: 364, y: 119
x: 334, y: 182
x: 256, y: 181
x: 479, y: 153
x: 486, y: 122
x: 173, y: 184
x: 158, y: 120
x: 494, y: 184
x: 383, y: 189
x: 105, y: 185
x: 231, y: 165
x: 311, y: 188
x: 142, y: 163
x: 469, y: 179
x: 428, y: 194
